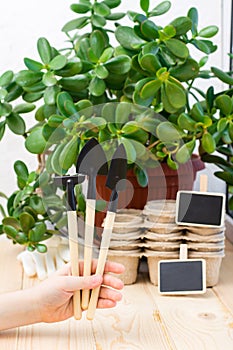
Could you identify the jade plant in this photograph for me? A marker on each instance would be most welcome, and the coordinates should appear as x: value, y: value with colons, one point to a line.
x: 134, y: 84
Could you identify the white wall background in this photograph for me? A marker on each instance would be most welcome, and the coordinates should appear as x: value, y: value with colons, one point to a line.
x: 23, y: 22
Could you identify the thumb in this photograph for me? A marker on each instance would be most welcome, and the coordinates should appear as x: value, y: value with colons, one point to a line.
x: 73, y: 283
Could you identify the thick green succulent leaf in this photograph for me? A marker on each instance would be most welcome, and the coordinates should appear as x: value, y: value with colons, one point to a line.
x: 75, y: 83
x: 44, y: 50
x: 98, y: 21
x: 27, y: 77
x: 36, y: 234
x: 101, y: 72
x: 50, y: 95
x: 222, y: 124
x: 55, y: 120
x: 139, y: 137
x: 73, y: 67
x: 171, y: 163
x: 210, y: 98
x: 150, y: 89
x: 127, y: 38
x: 205, y: 46
x: 112, y: 3
x: 168, y: 132
x: 144, y: 4
x: 14, y: 91
x: 208, y: 32
x: 225, y: 176
x: 225, y: 104
x: 185, y: 151
x: 175, y: 94
x: 197, y: 112
x: 130, y: 127
x: 2, y: 129
x: 223, y: 76
x: 53, y: 135
x: 26, y: 221
x: 81, y: 8
x: 33, y: 65
x: 24, y: 108
x: 32, y: 96
x: 186, y: 123
x: 101, y: 9
x: 119, y: 64
x: 35, y: 142
x: 230, y: 130
x: 62, y: 98
x: 193, y: 15
x: 68, y: 154
x: 177, y: 48
x: 10, y: 231
x: 106, y: 55
x: 186, y: 71
x: 160, y: 9
x: 49, y: 79
x: 97, y: 42
x: 37, y: 87
x: 11, y: 221
x: 208, y: 142
x: 21, y: 170
x: 36, y: 203
x: 142, y: 177
x: 76, y: 23
x: 6, y: 78
x: 182, y: 25
x: 150, y: 63
x: 149, y: 29
x: 5, y: 109
x: 130, y: 149
x: 97, y: 86
x: 58, y: 62
x: 123, y: 112
x: 3, y: 94
x: 115, y: 16
x: 16, y: 124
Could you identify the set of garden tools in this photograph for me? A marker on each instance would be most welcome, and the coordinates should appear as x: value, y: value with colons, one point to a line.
x: 91, y: 162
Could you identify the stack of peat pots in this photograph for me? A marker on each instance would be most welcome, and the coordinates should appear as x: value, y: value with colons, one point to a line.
x: 163, y: 237
x: 125, y: 243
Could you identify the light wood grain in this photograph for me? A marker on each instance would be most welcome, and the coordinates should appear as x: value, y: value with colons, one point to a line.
x: 133, y: 324
x: 142, y: 320
x: 11, y: 280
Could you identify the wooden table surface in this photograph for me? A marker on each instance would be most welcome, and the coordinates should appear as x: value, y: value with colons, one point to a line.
x: 142, y: 320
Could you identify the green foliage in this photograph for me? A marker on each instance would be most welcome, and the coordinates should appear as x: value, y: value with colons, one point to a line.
x: 143, y: 92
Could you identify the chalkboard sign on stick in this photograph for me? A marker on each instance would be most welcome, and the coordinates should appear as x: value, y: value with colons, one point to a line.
x: 195, y: 208
x: 182, y: 276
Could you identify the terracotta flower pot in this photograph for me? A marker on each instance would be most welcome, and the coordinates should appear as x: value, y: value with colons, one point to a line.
x: 163, y: 183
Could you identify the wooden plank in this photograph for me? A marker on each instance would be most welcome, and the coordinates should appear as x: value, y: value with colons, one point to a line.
x: 11, y: 280
x: 195, y: 322
x: 68, y: 335
x: 224, y: 288
x: 10, y: 268
x: 133, y: 324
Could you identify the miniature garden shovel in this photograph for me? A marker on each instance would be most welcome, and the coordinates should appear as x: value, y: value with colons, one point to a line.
x: 91, y: 161
x: 116, y: 183
x: 69, y: 182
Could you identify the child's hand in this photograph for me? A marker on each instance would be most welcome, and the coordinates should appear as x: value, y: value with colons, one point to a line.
x: 53, y: 296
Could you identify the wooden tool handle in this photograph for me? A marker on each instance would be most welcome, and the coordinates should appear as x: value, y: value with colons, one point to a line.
x: 106, y: 236
x: 89, y: 236
x: 203, y: 183
x: 74, y: 259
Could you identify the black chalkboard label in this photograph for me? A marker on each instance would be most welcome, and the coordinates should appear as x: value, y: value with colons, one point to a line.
x: 182, y: 276
x: 200, y: 208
